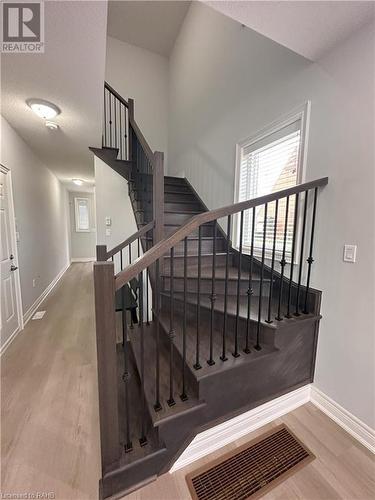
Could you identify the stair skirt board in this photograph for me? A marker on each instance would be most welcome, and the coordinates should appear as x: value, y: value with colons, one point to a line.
x: 252, y: 469
x: 219, y: 436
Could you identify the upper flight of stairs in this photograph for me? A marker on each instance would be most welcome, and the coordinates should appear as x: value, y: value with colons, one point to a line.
x: 215, y: 391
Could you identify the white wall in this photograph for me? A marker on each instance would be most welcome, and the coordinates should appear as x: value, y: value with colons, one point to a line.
x: 142, y: 75
x: 82, y: 244
x: 41, y: 216
x: 228, y: 82
x: 112, y: 200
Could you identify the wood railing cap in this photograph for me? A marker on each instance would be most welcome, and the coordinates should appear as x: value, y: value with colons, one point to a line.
x: 165, y: 245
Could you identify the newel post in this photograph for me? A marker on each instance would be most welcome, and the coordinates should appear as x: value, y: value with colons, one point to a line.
x: 158, y: 196
x: 104, y: 284
x: 101, y: 253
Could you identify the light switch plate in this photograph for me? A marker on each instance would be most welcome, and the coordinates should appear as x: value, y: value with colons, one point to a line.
x: 108, y: 221
x: 350, y: 253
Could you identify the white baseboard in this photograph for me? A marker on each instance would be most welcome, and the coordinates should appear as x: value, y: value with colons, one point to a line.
x: 9, y: 341
x: 30, y: 312
x: 83, y: 259
x: 353, y: 425
x: 212, y: 439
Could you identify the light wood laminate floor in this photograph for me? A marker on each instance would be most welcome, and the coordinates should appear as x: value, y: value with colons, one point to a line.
x: 49, y: 417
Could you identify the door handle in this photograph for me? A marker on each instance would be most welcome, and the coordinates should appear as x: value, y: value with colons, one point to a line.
x: 13, y: 268
x: 11, y: 257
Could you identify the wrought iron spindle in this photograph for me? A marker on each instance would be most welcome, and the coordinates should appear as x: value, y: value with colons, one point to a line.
x: 223, y: 356
x: 257, y: 345
x: 250, y: 290
x: 197, y: 364
x: 269, y: 320
x: 130, y: 261
x: 297, y: 313
x: 110, y: 120
x: 157, y: 405
x: 121, y: 260
x: 171, y: 401
x: 283, y: 261
x: 183, y: 395
x: 288, y: 315
x: 105, y: 119
x: 115, y: 106
x: 211, y: 361
x: 143, y: 439
x: 126, y: 127
x: 147, y: 287
x: 128, y: 445
x: 120, y: 136
x: 310, y: 259
x: 236, y: 353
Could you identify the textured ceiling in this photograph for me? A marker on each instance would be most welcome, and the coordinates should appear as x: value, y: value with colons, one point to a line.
x: 309, y: 28
x: 152, y: 25
x: 70, y: 74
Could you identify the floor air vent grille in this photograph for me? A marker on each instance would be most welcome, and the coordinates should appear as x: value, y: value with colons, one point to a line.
x: 251, y: 470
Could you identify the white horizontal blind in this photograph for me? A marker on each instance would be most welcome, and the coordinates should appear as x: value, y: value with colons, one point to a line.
x: 266, y: 166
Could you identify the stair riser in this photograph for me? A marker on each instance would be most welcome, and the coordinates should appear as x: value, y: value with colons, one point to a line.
x: 206, y: 247
x: 206, y: 231
x: 267, y: 334
x: 206, y: 286
x: 178, y: 197
x: 169, y: 218
x: 206, y: 262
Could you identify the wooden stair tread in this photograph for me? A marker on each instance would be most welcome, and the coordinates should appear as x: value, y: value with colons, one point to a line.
x: 167, y: 412
x: 206, y: 369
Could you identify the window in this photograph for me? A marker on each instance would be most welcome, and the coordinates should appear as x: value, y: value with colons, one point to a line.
x: 270, y: 162
x: 82, y: 212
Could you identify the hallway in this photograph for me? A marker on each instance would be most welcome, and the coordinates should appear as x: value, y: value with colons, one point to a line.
x: 49, y: 413
x: 50, y: 427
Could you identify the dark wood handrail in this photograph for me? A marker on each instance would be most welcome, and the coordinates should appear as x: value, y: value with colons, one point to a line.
x: 130, y: 240
x: 116, y: 94
x: 165, y: 245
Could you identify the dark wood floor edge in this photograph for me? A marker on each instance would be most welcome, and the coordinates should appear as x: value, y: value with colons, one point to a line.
x: 189, y: 477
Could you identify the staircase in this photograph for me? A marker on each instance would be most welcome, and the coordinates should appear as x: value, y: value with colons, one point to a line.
x: 220, y: 330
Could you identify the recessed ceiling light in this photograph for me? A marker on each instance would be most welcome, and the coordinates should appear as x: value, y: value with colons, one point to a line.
x: 52, y: 125
x: 78, y: 182
x: 43, y: 109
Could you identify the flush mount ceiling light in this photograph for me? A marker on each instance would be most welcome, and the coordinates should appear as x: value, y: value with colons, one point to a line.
x: 52, y: 125
x: 77, y: 182
x: 43, y: 109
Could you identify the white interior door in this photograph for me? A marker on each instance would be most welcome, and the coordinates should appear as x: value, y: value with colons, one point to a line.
x: 9, y: 316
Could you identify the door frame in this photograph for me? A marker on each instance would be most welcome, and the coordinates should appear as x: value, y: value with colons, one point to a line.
x: 5, y: 170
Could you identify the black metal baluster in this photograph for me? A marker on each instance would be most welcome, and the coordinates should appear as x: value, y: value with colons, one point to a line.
x: 211, y: 361
x: 115, y: 102
x: 157, y: 405
x: 236, y: 353
x: 171, y: 401
x: 130, y: 261
x: 257, y: 345
x: 128, y: 445
x: 250, y: 290
x: 121, y: 260
x: 105, y: 120
x: 288, y: 315
x: 120, y: 137
x: 147, y: 287
x: 269, y: 320
x: 297, y: 313
x: 223, y: 356
x: 283, y: 261
x: 310, y: 259
x: 183, y: 395
x: 197, y: 364
x: 143, y: 439
x: 110, y: 120
x: 126, y: 127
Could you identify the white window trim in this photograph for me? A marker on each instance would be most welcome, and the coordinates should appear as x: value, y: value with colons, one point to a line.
x: 302, y: 112
x: 76, y: 212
